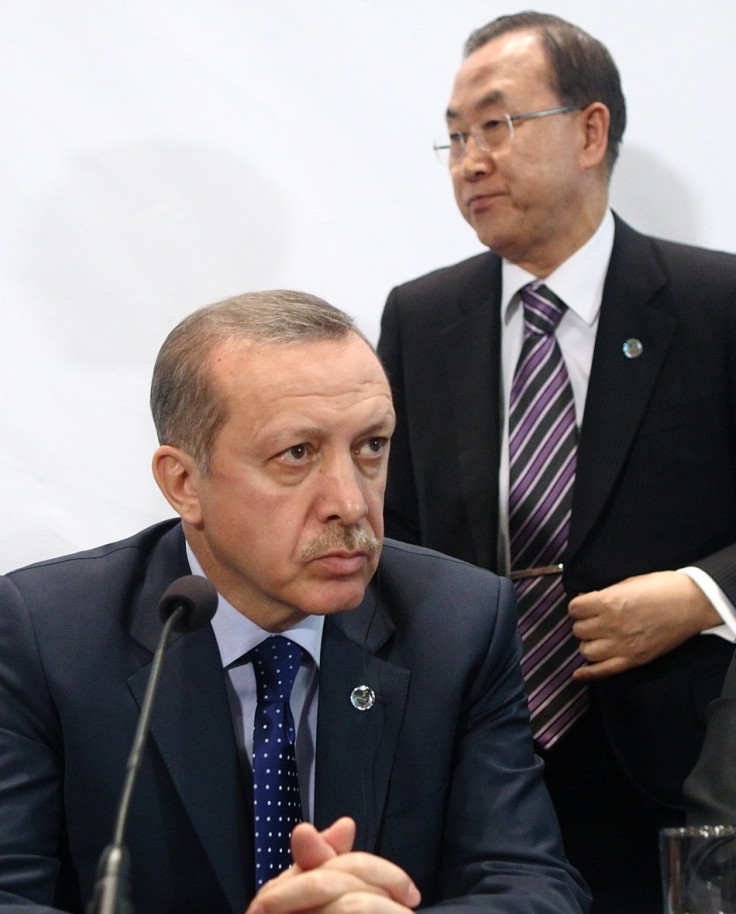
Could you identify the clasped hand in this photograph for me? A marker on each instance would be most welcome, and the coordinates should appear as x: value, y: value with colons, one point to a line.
x: 328, y: 877
x: 632, y: 622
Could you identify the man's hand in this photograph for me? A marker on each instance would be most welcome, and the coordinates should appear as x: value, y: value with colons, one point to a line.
x: 631, y: 623
x: 328, y: 877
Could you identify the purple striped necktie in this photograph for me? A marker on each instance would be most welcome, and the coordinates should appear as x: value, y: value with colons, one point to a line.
x: 542, y: 460
x: 277, y: 802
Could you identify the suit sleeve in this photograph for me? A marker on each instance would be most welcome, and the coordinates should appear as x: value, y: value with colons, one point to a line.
x: 502, y: 846
x: 30, y: 766
x: 401, y: 511
x: 706, y: 282
x: 721, y: 566
x: 710, y: 790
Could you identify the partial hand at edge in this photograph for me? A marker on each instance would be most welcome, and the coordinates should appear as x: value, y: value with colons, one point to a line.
x: 631, y: 623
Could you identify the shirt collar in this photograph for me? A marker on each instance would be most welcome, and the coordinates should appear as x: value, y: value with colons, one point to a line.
x: 236, y: 634
x: 578, y: 281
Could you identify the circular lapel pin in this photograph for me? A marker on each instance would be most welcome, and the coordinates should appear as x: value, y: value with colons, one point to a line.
x: 633, y: 348
x: 362, y: 698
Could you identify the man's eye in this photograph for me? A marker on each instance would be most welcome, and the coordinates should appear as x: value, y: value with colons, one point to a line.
x: 374, y: 447
x: 492, y: 125
x: 297, y: 453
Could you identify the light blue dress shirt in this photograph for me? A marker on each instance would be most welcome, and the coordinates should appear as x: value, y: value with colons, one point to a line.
x: 236, y: 635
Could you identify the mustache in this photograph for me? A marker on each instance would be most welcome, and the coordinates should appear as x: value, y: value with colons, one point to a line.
x: 352, y: 539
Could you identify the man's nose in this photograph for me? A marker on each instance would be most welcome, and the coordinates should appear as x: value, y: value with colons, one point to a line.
x: 476, y: 158
x: 341, y: 495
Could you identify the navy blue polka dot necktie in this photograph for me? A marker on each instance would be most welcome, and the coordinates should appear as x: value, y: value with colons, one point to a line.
x: 277, y: 802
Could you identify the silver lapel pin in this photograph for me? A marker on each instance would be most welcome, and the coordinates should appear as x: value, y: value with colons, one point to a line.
x: 362, y: 698
x: 633, y: 348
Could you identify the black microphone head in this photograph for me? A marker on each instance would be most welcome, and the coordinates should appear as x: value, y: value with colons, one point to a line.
x: 196, y: 596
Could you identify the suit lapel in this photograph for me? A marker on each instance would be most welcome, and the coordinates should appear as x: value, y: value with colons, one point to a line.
x: 355, y: 749
x: 192, y: 728
x: 471, y: 351
x: 619, y: 387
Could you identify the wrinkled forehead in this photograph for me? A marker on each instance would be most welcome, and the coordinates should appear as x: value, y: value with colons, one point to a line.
x: 333, y: 368
x: 328, y: 393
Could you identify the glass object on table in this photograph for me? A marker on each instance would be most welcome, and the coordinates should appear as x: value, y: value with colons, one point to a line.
x: 698, y: 866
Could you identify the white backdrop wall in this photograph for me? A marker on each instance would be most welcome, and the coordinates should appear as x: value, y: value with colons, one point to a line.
x: 158, y: 155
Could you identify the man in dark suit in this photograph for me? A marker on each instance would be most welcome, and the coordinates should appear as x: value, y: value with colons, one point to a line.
x: 710, y: 790
x: 416, y: 770
x: 649, y: 341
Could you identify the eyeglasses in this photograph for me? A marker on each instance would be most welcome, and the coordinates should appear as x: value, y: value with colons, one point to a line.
x: 491, y: 136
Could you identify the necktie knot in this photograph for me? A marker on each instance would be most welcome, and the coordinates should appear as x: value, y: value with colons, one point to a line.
x: 542, y: 309
x: 276, y: 662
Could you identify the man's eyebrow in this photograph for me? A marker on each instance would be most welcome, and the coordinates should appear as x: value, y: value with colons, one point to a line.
x: 382, y: 425
x: 490, y: 98
x: 295, y: 434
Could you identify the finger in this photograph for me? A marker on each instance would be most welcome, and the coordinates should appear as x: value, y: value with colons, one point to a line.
x: 375, y: 871
x: 310, y: 848
x: 292, y: 892
x: 584, y: 606
x: 341, y: 835
x: 364, y: 904
x: 598, y: 649
x: 588, y: 629
x: 602, y: 670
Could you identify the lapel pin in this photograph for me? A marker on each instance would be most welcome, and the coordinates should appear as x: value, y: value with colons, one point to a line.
x: 362, y: 698
x: 633, y: 348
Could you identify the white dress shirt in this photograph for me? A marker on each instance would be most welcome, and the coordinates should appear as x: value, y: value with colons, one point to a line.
x: 579, y: 283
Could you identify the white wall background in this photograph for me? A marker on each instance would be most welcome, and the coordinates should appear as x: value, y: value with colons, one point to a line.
x: 158, y: 155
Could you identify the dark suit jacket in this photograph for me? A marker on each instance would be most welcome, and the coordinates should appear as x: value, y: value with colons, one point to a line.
x: 439, y: 775
x: 656, y: 476
x: 710, y: 791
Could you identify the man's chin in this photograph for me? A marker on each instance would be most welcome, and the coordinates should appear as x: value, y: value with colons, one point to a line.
x: 335, y: 598
x: 490, y: 238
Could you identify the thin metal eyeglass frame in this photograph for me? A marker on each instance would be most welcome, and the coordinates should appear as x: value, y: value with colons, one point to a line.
x: 443, y: 149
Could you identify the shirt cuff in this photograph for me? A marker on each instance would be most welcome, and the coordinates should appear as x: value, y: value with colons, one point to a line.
x: 719, y: 601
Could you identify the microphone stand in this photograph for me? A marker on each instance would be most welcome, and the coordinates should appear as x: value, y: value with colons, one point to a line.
x: 111, y: 888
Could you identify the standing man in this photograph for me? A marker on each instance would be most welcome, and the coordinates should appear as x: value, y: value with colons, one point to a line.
x: 382, y: 677
x: 566, y: 413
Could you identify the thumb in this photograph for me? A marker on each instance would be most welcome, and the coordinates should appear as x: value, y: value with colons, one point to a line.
x: 311, y: 848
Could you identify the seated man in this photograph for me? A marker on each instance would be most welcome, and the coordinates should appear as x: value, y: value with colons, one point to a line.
x: 414, y: 759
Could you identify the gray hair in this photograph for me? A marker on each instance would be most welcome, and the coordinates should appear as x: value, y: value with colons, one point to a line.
x: 188, y: 410
x: 581, y: 67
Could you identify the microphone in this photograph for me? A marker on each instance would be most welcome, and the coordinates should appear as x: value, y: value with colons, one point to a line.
x: 192, y: 600
x: 186, y: 605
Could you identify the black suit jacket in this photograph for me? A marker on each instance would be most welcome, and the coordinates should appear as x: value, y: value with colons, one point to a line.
x: 656, y: 475
x: 439, y: 775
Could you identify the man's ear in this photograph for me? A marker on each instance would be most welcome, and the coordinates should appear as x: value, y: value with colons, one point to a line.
x: 596, y: 120
x: 177, y: 476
